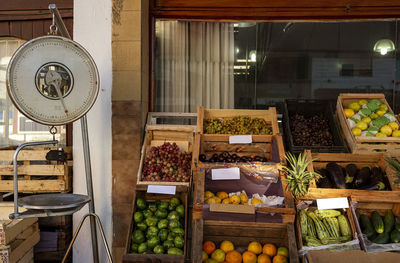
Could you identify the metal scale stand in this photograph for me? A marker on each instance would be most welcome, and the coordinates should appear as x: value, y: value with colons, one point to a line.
x: 53, y: 80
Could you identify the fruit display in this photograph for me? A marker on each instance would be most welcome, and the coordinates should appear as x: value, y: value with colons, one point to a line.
x: 310, y: 131
x: 352, y: 177
x: 159, y: 227
x: 297, y: 176
x: 323, y: 227
x: 255, y: 252
x: 225, y: 157
x: 380, y: 229
x: 371, y: 118
x: 166, y: 163
x: 241, y: 198
x: 239, y: 125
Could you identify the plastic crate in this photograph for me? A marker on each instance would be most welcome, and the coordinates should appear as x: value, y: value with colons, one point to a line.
x: 307, y: 108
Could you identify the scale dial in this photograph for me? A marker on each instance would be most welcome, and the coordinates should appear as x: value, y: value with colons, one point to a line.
x: 52, y: 80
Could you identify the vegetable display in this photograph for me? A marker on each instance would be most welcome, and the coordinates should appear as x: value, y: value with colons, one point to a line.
x: 371, y: 118
x: 225, y: 157
x: 380, y: 229
x: 312, y: 131
x: 159, y: 227
x: 351, y: 177
x: 394, y: 164
x: 323, y: 227
x: 239, y: 125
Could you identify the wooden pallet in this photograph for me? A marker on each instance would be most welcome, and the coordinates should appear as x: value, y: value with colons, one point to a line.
x: 269, y: 115
x: 279, y: 234
x: 348, y: 214
x: 364, y: 144
x: 162, y: 258
x: 182, y: 135
x: 360, y: 160
x: 35, y: 173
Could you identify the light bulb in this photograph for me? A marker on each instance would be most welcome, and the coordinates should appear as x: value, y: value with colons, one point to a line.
x: 383, y: 51
x: 253, y: 57
x: 237, y: 50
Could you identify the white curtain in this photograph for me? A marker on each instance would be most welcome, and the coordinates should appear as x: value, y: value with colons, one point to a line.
x: 195, y: 65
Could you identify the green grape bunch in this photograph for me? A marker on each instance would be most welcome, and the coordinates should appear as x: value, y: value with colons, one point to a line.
x: 239, y: 125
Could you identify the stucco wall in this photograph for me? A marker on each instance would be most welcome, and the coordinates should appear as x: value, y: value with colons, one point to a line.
x: 92, y: 29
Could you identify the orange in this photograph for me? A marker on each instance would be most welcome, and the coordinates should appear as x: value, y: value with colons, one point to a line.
x: 269, y: 249
x: 249, y: 257
x: 226, y: 201
x: 204, y: 256
x: 280, y: 259
x: 227, y: 246
x: 235, y: 199
x: 233, y: 257
x: 255, y: 247
x: 218, y: 255
x: 208, y: 247
x: 283, y: 251
x: 222, y: 195
x: 263, y: 259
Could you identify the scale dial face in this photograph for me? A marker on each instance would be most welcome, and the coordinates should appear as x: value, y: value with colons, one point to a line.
x: 52, y: 80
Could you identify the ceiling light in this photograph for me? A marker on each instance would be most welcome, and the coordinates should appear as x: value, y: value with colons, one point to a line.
x: 253, y: 56
x: 384, y: 46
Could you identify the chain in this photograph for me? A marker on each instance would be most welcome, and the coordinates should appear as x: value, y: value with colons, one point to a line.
x: 53, y: 131
x: 53, y: 27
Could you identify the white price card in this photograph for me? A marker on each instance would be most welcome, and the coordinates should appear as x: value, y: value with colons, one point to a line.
x: 226, y: 173
x: 333, y: 203
x: 161, y: 189
x: 240, y: 139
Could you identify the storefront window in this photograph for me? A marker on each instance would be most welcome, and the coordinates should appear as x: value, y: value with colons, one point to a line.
x: 15, y: 128
x: 256, y: 65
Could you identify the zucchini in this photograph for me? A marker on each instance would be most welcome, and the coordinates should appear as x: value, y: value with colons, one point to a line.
x: 382, y: 238
x: 388, y: 221
x: 328, y: 227
x: 312, y: 241
x: 366, y: 226
x: 335, y: 226
x: 344, y: 226
x: 395, y: 236
x: 327, y: 213
x: 331, y: 240
x: 377, y: 222
x: 303, y: 223
x: 311, y: 228
x: 319, y: 226
x: 397, y: 226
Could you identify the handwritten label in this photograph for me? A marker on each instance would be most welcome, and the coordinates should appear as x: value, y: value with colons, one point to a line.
x: 161, y: 189
x: 333, y: 203
x: 240, y: 139
x: 226, y: 174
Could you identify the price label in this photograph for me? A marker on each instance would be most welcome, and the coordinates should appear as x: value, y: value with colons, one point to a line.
x: 161, y: 189
x: 226, y: 174
x: 333, y: 203
x: 240, y: 139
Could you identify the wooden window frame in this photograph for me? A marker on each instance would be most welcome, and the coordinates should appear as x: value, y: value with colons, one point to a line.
x: 262, y: 11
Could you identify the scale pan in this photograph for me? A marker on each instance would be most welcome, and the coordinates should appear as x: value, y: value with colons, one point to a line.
x: 53, y: 201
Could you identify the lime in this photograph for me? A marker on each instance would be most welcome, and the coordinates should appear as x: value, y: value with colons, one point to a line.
x: 380, y: 112
x: 161, y: 213
x: 138, y: 217
x: 173, y: 223
x: 163, y: 223
x: 174, y: 251
x: 173, y: 215
x: 153, y: 241
x: 174, y: 201
x: 158, y: 249
x: 180, y: 209
x: 179, y: 242
x: 152, y: 207
x: 142, y: 248
x: 141, y: 226
x: 163, y: 234
x: 178, y: 231
x: 138, y: 236
x: 141, y: 203
x: 168, y: 244
x: 163, y: 205
x: 152, y: 231
x: 366, y: 120
x: 147, y: 213
x: 373, y: 116
x: 356, y: 131
x: 151, y: 221
x: 383, y: 107
x: 354, y: 106
x: 134, y: 248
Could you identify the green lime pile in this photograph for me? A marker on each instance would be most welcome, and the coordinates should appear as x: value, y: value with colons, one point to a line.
x: 371, y: 118
x: 159, y: 227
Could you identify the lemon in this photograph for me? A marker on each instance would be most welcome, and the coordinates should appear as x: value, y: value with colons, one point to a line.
x: 385, y: 129
x: 354, y: 106
x: 356, y: 131
x: 366, y: 120
x: 383, y: 107
x: 362, y: 125
x: 235, y: 199
x: 222, y: 195
x: 379, y: 134
x: 211, y: 201
x: 373, y: 116
x: 396, y: 133
x: 349, y: 113
x: 380, y: 112
x: 226, y: 201
x: 243, y: 198
x: 394, y: 125
x: 362, y: 102
x: 255, y: 201
x: 217, y: 199
x: 208, y: 194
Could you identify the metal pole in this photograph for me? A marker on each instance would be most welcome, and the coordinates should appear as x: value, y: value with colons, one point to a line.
x: 86, y: 151
x: 15, y: 164
x: 89, y: 185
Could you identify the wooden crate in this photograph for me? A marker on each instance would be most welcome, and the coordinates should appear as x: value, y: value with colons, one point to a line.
x: 35, y: 173
x: 183, y: 136
x: 163, y: 258
x: 278, y: 234
x: 360, y: 160
x: 364, y: 144
x: 269, y: 115
x: 300, y: 242
x: 366, y: 208
x: 18, y: 237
